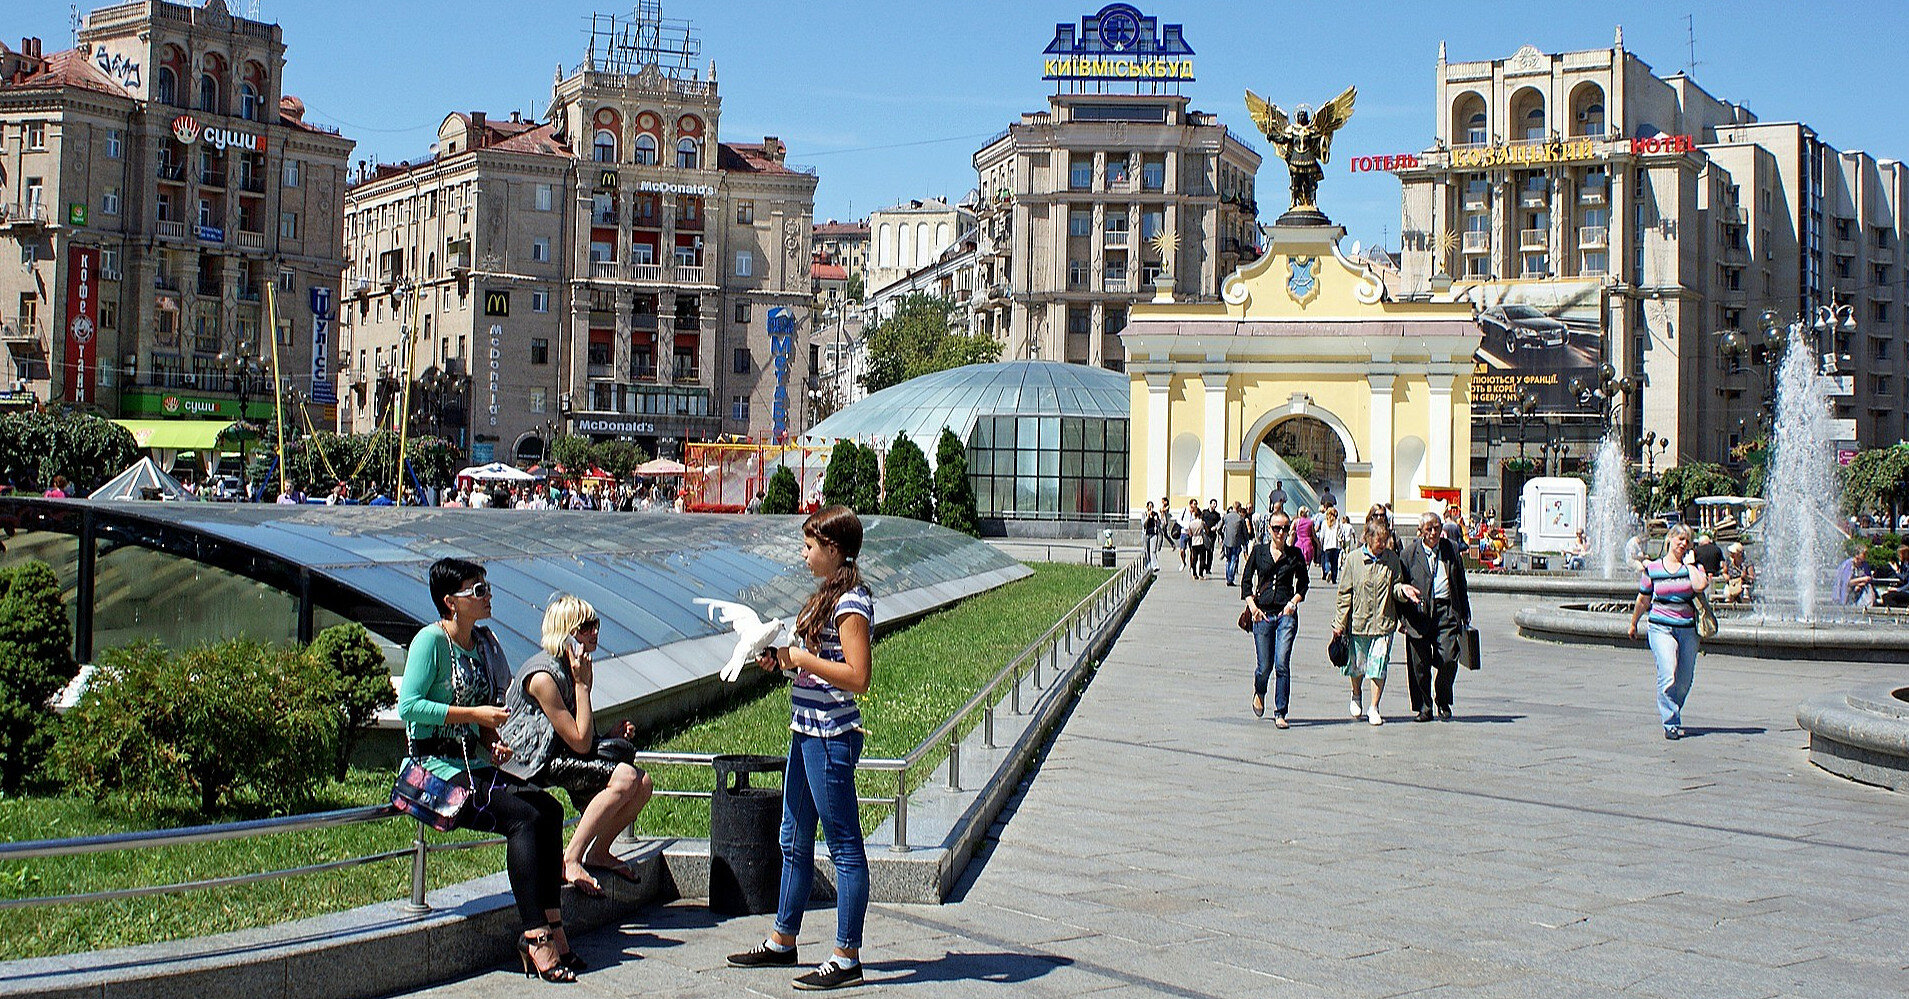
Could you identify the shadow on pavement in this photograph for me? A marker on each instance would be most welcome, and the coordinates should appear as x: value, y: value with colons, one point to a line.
x: 1714, y: 730
x: 998, y: 968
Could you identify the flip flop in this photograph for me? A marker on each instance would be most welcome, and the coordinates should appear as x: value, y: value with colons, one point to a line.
x: 621, y: 870
x: 589, y: 888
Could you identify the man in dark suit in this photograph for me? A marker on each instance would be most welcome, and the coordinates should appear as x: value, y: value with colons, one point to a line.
x: 1435, y: 622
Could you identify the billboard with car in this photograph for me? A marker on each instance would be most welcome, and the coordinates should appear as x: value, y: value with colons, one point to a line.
x: 1538, y: 336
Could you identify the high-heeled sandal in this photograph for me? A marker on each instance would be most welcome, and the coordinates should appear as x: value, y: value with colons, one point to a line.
x: 557, y: 974
x: 570, y: 959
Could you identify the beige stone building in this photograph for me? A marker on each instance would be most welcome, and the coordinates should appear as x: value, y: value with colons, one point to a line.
x: 618, y: 270
x: 1070, y: 197
x: 161, y: 167
x: 911, y: 235
x: 1645, y: 217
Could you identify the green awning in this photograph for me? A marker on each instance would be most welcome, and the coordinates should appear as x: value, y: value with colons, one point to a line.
x: 197, y: 435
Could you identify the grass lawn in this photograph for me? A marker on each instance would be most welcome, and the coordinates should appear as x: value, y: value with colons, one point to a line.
x: 922, y: 673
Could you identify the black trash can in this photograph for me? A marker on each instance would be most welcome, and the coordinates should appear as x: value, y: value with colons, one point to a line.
x: 745, y: 824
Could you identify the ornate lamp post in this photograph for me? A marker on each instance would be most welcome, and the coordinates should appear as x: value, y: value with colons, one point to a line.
x: 1603, y: 392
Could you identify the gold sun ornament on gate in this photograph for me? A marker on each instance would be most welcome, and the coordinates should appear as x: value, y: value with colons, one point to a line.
x: 1164, y: 243
x: 1447, y: 241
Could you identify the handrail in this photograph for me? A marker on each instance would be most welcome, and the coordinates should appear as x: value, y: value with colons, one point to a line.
x: 44, y: 848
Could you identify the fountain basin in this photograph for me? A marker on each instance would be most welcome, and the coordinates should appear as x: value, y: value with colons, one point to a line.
x: 1551, y: 584
x: 1738, y: 633
x: 1861, y: 734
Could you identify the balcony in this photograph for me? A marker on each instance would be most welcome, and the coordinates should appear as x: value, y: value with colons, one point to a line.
x: 28, y: 215
x: 20, y: 331
x: 689, y: 274
x: 1474, y: 201
x: 1115, y: 239
x: 171, y: 173
x: 1593, y: 236
x: 1476, y: 241
x: 248, y: 293
x: 208, y: 289
x: 689, y: 223
x: 606, y: 269
x: 251, y: 240
x: 165, y: 282
x: 689, y: 375
x: 1881, y: 293
x: 1115, y: 283
x: 212, y: 178
x: 1735, y: 214
x: 1594, y: 194
x: 171, y: 230
x: 652, y: 273
x: 645, y: 321
x: 251, y: 184
x: 643, y: 372
x: 687, y: 324
x: 1534, y: 197
x: 999, y: 291
x: 604, y: 218
x: 1534, y: 239
x: 598, y: 371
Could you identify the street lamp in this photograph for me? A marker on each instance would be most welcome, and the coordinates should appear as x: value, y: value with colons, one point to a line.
x: 1650, y: 446
x: 439, y: 390
x: 245, y: 369
x: 1520, y: 411
x: 1604, y: 392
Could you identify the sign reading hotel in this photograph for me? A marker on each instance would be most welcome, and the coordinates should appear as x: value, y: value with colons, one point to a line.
x: 1119, y: 43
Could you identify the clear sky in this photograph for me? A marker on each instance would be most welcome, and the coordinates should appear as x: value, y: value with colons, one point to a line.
x: 888, y: 100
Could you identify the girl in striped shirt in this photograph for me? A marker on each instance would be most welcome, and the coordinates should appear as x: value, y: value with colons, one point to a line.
x: 1668, y: 591
x: 825, y: 744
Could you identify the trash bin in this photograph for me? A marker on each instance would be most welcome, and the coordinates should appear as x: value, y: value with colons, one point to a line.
x: 745, y: 855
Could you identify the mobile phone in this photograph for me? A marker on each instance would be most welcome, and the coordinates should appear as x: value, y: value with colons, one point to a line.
x: 575, y: 647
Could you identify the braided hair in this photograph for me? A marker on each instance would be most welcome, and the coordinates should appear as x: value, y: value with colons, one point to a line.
x: 839, y: 528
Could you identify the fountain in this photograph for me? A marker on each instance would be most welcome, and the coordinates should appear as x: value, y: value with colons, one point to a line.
x: 1611, y: 522
x: 1800, y: 545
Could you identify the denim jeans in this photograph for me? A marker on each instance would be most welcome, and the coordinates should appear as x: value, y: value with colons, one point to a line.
x: 1329, y: 565
x: 820, y: 784
x: 1273, y: 646
x: 1675, y: 650
x: 1232, y: 563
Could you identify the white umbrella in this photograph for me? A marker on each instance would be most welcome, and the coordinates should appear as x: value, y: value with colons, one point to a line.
x: 497, y: 470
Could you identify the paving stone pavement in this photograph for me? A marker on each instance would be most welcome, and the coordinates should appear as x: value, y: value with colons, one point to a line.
x: 1547, y: 843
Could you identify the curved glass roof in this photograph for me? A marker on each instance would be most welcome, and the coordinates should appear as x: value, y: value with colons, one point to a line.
x: 953, y: 398
x: 640, y: 571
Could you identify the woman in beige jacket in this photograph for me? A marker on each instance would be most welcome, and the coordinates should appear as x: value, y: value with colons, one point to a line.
x: 1369, y: 593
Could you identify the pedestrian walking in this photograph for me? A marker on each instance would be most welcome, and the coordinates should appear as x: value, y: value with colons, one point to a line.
x: 825, y: 743
x: 1303, y: 537
x: 1235, y: 531
x: 1193, y: 529
x: 1150, y: 529
x: 1211, y: 518
x: 1332, y: 541
x: 1668, y: 590
x: 1368, y: 610
x: 1434, y: 623
x: 1175, y: 525
x: 1273, y: 605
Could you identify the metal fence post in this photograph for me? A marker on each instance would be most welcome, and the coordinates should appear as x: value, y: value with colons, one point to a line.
x: 900, y: 844
x: 987, y: 726
x: 954, y: 762
x: 1014, y: 688
x: 420, y: 850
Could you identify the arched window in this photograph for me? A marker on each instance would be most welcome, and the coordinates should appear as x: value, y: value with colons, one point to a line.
x: 1475, y: 129
x: 605, y: 146
x: 209, y: 94
x: 430, y: 264
x: 646, y: 149
x: 941, y: 236
x: 687, y: 154
x: 1534, y: 123
x: 884, y: 247
x: 165, y: 86
x: 1592, y: 120
x: 248, y: 102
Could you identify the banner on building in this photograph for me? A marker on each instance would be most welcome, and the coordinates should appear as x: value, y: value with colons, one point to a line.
x: 323, y: 388
x: 1537, y: 338
x: 82, y: 322
x: 781, y: 327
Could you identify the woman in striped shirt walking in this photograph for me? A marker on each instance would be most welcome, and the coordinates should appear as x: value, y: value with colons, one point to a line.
x: 824, y: 746
x: 1668, y: 590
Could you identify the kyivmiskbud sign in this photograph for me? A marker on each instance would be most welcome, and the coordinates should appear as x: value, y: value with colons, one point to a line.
x: 186, y: 406
x: 1118, y: 43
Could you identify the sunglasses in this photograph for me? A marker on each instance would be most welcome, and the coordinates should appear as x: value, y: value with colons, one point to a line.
x: 478, y: 590
x: 590, y: 625
x: 1276, y: 527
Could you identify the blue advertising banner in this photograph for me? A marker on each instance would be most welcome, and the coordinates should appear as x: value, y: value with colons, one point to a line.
x: 323, y: 388
x: 781, y: 327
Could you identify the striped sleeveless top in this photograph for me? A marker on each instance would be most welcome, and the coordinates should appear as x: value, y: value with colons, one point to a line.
x: 1672, y: 597
x: 819, y: 708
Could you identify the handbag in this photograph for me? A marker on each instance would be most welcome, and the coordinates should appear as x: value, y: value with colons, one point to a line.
x: 1468, y: 651
x: 1706, y: 618
x: 425, y: 796
x: 1246, y: 615
x: 1339, y: 650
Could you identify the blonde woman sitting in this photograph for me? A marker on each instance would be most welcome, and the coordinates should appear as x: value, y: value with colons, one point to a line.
x: 552, y: 733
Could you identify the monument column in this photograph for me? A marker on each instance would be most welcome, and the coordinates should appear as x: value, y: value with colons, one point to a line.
x: 1381, y: 436
x: 1438, y: 443
x: 1213, y: 442
x: 1159, y: 388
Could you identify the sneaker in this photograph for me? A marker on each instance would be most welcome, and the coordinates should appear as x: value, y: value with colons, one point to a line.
x: 1673, y: 733
x: 1374, y: 717
x: 1357, y: 711
x: 829, y: 976
x: 763, y: 956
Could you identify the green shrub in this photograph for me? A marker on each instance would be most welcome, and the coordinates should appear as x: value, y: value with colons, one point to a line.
x: 907, y: 490
x: 360, y: 680
x: 838, y: 480
x: 235, y: 717
x: 954, y: 491
x: 36, y: 660
x: 783, y: 495
x: 868, y: 482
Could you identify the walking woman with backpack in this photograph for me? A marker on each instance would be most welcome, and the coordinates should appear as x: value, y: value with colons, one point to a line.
x: 825, y: 743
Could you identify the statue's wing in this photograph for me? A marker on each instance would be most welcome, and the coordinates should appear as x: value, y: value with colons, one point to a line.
x: 1267, y: 115
x: 1331, y: 118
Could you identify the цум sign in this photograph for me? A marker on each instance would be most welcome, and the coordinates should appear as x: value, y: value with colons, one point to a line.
x: 1118, y: 43
x: 781, y: 328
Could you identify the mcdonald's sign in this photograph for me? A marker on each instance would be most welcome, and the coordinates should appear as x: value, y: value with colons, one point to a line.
x: 497, y: 303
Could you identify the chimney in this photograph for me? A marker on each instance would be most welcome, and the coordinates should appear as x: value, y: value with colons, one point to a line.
x: 516, y: 117
x: 31, y: 47
x: 477, y: 137
x: 773, y: 148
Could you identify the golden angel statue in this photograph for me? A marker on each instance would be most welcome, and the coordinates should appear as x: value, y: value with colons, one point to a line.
x: 1305, y: 141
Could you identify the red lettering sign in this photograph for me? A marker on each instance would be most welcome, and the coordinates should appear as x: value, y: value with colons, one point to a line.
x: 1400, y: 161
x: 82, y: 319
x: 1663, y: 144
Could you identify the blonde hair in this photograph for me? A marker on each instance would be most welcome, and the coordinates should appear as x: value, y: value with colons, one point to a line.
x: 562, y: 618
x: 1378, y: 528
x: 1679, y: 531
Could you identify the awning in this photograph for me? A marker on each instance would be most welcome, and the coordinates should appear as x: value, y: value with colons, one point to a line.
x: 199, y: 435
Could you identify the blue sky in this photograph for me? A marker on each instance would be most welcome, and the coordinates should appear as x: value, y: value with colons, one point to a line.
x: 889, y: 100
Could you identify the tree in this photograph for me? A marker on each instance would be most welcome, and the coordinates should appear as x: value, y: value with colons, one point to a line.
x: 1682, y: 485
x: 88, y: 450
x: 868, y: 482
x: 1873, y: 481
x: 361, y: 682
x: 907, y: 489
x: 838, y: 480
x: 619, y: 458
x: 954, y: 491
x: 854, y: 291
x: 783, y: 495
x: 35, y: 662
x: 572, y: 451
x: 921, y: 338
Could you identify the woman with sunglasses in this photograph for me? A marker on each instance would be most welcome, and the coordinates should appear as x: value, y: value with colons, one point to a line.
x: 553, y: 741
x: 449, y: 700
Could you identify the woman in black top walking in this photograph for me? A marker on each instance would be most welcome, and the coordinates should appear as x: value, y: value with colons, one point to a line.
x: 1279, y: 573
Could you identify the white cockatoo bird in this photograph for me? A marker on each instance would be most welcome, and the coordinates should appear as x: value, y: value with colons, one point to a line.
x: 753, y: 634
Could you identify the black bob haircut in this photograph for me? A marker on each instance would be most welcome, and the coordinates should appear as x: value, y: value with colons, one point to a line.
x: 447, y: 577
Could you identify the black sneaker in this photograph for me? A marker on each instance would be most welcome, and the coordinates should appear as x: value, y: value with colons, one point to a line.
x: 762, y: 956
x: 829, y: 976
x: 1673, y: 733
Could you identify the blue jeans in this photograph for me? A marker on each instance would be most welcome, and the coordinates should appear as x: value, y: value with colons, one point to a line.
x: 820, y: 784
x: 1273, y: 645
x: 1232, y: 563
x: 1329, y: 565
x: 1675, y: 650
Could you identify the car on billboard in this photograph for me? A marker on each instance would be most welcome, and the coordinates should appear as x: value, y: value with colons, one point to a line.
x: 1523, y: 327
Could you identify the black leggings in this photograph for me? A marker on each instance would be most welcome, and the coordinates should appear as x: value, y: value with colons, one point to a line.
x: 531, y: 822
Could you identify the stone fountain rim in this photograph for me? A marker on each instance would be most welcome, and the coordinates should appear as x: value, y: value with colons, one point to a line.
x: 1868, y: 642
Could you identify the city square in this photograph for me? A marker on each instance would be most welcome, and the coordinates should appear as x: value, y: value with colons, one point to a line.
x: 1064, y: 507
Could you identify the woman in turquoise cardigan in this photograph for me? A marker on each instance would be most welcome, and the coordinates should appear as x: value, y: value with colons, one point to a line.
x: 451, y: 701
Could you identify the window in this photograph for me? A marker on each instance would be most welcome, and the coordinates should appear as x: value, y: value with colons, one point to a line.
x: 108, y: 265
x: 36, y: 135
x: 1879, y: 311
x: 165, y: 86
x: 1116, y: 171
x: 745, y: 213
x: 539, y: 350
x: 745, y: 263
x: 108, y: 315
x: 744, y: 363
x: 206, y: 215
x: 109, y: 202
x: 285, y: 332
x: 1475, y: 129
x: 646, y: 149
x: 739, y: 408
x: 545, y: 197
x: 1080, y: 173
x: 603, y: 148
x: 287, y: 281
x: 540, y: 400
x: 288, y: 173
x: 1153, y: 174
x: 288, y: 225
x: 112, y: 143
x: 687, y: 154
x: 208, y: 94
x: 249, y: 103
x: 1077, y: 273
x: 1080, y: 222
x: 35, y: 187
x: 742, y: 312
x: 540, y: 250
x: 540, y: 301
